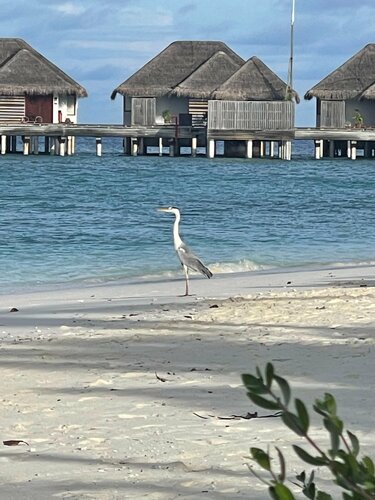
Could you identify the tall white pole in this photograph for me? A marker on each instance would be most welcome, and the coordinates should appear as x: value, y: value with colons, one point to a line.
x: 290, y: 69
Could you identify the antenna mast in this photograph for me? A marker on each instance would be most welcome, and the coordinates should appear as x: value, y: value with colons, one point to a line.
x: 290, y: 68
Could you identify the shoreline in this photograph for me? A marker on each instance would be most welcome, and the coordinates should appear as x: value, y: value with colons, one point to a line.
x: 105, y: 382
x: 155, y: 289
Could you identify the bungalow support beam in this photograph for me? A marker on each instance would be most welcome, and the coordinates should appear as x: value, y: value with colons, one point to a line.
x: 3, y: 144
x: 134, y: 146
x: 98, y: 146
x: 354, y: 150
x: 317, y: 150
x: 349, y: 149
x: 211, y: 148
x: 272, y: 152
x: 160, y: 146
x: 62, y: 145
x: 331, y: 149
x: 69, y: 145
x: 14, y: 143
x: 194, y: 143
x: 249, y: 149
x: 26, y: 145
x: 35, y: 145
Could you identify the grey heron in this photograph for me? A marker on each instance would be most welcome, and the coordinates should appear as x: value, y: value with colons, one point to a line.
x: 187, y: 258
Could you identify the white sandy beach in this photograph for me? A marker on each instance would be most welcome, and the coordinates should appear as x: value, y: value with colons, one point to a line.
x: 105, y: 382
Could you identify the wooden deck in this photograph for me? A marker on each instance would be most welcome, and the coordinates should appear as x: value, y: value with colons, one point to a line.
x: 59, y: 139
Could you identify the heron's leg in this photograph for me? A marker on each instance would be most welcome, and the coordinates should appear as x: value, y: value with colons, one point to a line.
x: 186, y: 280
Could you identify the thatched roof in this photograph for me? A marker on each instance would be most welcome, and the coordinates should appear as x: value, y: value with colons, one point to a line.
x: 208, y: 77
x: 171, y: 67
x: 353, y: 79
x: 23, y: 70
x: 254, y: 81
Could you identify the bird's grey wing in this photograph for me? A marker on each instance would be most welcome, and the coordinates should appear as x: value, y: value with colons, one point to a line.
x: 189, y: 259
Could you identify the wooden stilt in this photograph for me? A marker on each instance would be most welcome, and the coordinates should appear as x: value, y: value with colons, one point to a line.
x: 26, y: 145
x: 3, y: 144
x: 272, y: 152
x: 35, y: 145
x: 98, y: 146
x: 211, y: 148
x: 261, y: 149
x: 249, y: 149
x: 354, y: 150
x: 317, y: 150
x: 194, y: 142
x: 160, y: 146
x: 331, y: 149
x: 62, y: 146
x: 134, y: 146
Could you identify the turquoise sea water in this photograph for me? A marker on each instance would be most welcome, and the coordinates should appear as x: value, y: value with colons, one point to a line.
x: 88, y: 218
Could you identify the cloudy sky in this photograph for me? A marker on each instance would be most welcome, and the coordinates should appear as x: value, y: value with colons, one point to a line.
x: 100, y: 43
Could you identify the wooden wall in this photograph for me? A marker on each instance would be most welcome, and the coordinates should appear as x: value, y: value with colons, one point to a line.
x: 332, y: 114
x: 143, y: 111
x: 250, y: 115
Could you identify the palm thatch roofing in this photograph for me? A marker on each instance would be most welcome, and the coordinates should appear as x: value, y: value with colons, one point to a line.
x: 171, y: 67
x: 254, y: 81
x: 355, y: 79
x: 208, y: 77
x: 23, y: 70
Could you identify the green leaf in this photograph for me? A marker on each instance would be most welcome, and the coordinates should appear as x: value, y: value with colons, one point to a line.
x: 250, y: 381
x: 253, y: 384
x: 306, y: 457
x: 334, y: 435
x: 321, y: 495
x: 369, y: 464
x: 284, y: 388
x: 281, y: 492
x: 261, y: 458
x: 292, y: 421
x: 302, y: 414
x: 355, y: 443
x: 309, y: 491
x: 262, y: 402
x: 282, y: 465
x: 301, y: 477
x: 330, y: 403
x: 269, y: 374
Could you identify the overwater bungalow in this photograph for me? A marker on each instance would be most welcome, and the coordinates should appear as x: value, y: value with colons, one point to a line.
x: 345, y: 99
x: 33, y: 91
x: 348, y: 93
x: 32, y: 88
x: 207, y: 86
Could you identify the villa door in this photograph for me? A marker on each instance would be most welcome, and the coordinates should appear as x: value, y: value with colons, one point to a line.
x: 39, y: 108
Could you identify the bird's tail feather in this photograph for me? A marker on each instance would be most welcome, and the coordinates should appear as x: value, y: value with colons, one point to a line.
x: 204, y: 270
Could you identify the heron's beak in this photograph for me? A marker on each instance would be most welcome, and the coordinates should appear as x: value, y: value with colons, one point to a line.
x: 162, y: 209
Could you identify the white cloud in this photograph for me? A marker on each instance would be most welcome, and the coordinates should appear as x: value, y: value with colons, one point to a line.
x: 70, y: 9
x: 137, y: 16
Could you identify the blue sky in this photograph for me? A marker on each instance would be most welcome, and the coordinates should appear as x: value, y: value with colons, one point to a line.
x: 100, y: 43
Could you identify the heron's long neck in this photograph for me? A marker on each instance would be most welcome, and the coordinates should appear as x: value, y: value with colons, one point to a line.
x: 176, y: 235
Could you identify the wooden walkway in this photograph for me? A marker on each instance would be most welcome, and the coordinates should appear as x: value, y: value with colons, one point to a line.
x: 136, y: 139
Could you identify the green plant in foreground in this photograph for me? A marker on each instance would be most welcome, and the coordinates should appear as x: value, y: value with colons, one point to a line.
x: 356, y: 476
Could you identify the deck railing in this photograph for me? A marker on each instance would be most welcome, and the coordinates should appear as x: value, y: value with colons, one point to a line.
x: 250, y: 115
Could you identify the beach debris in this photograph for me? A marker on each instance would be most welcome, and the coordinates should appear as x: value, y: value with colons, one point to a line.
x: 188, y: 317
x: 14, y: 310
x: 214, y: 306
x: 247, y: 416
x: 14, y: 442
x: 160, y: 378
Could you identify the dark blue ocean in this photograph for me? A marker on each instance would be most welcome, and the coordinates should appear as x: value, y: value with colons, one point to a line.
x: 88, y: 218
